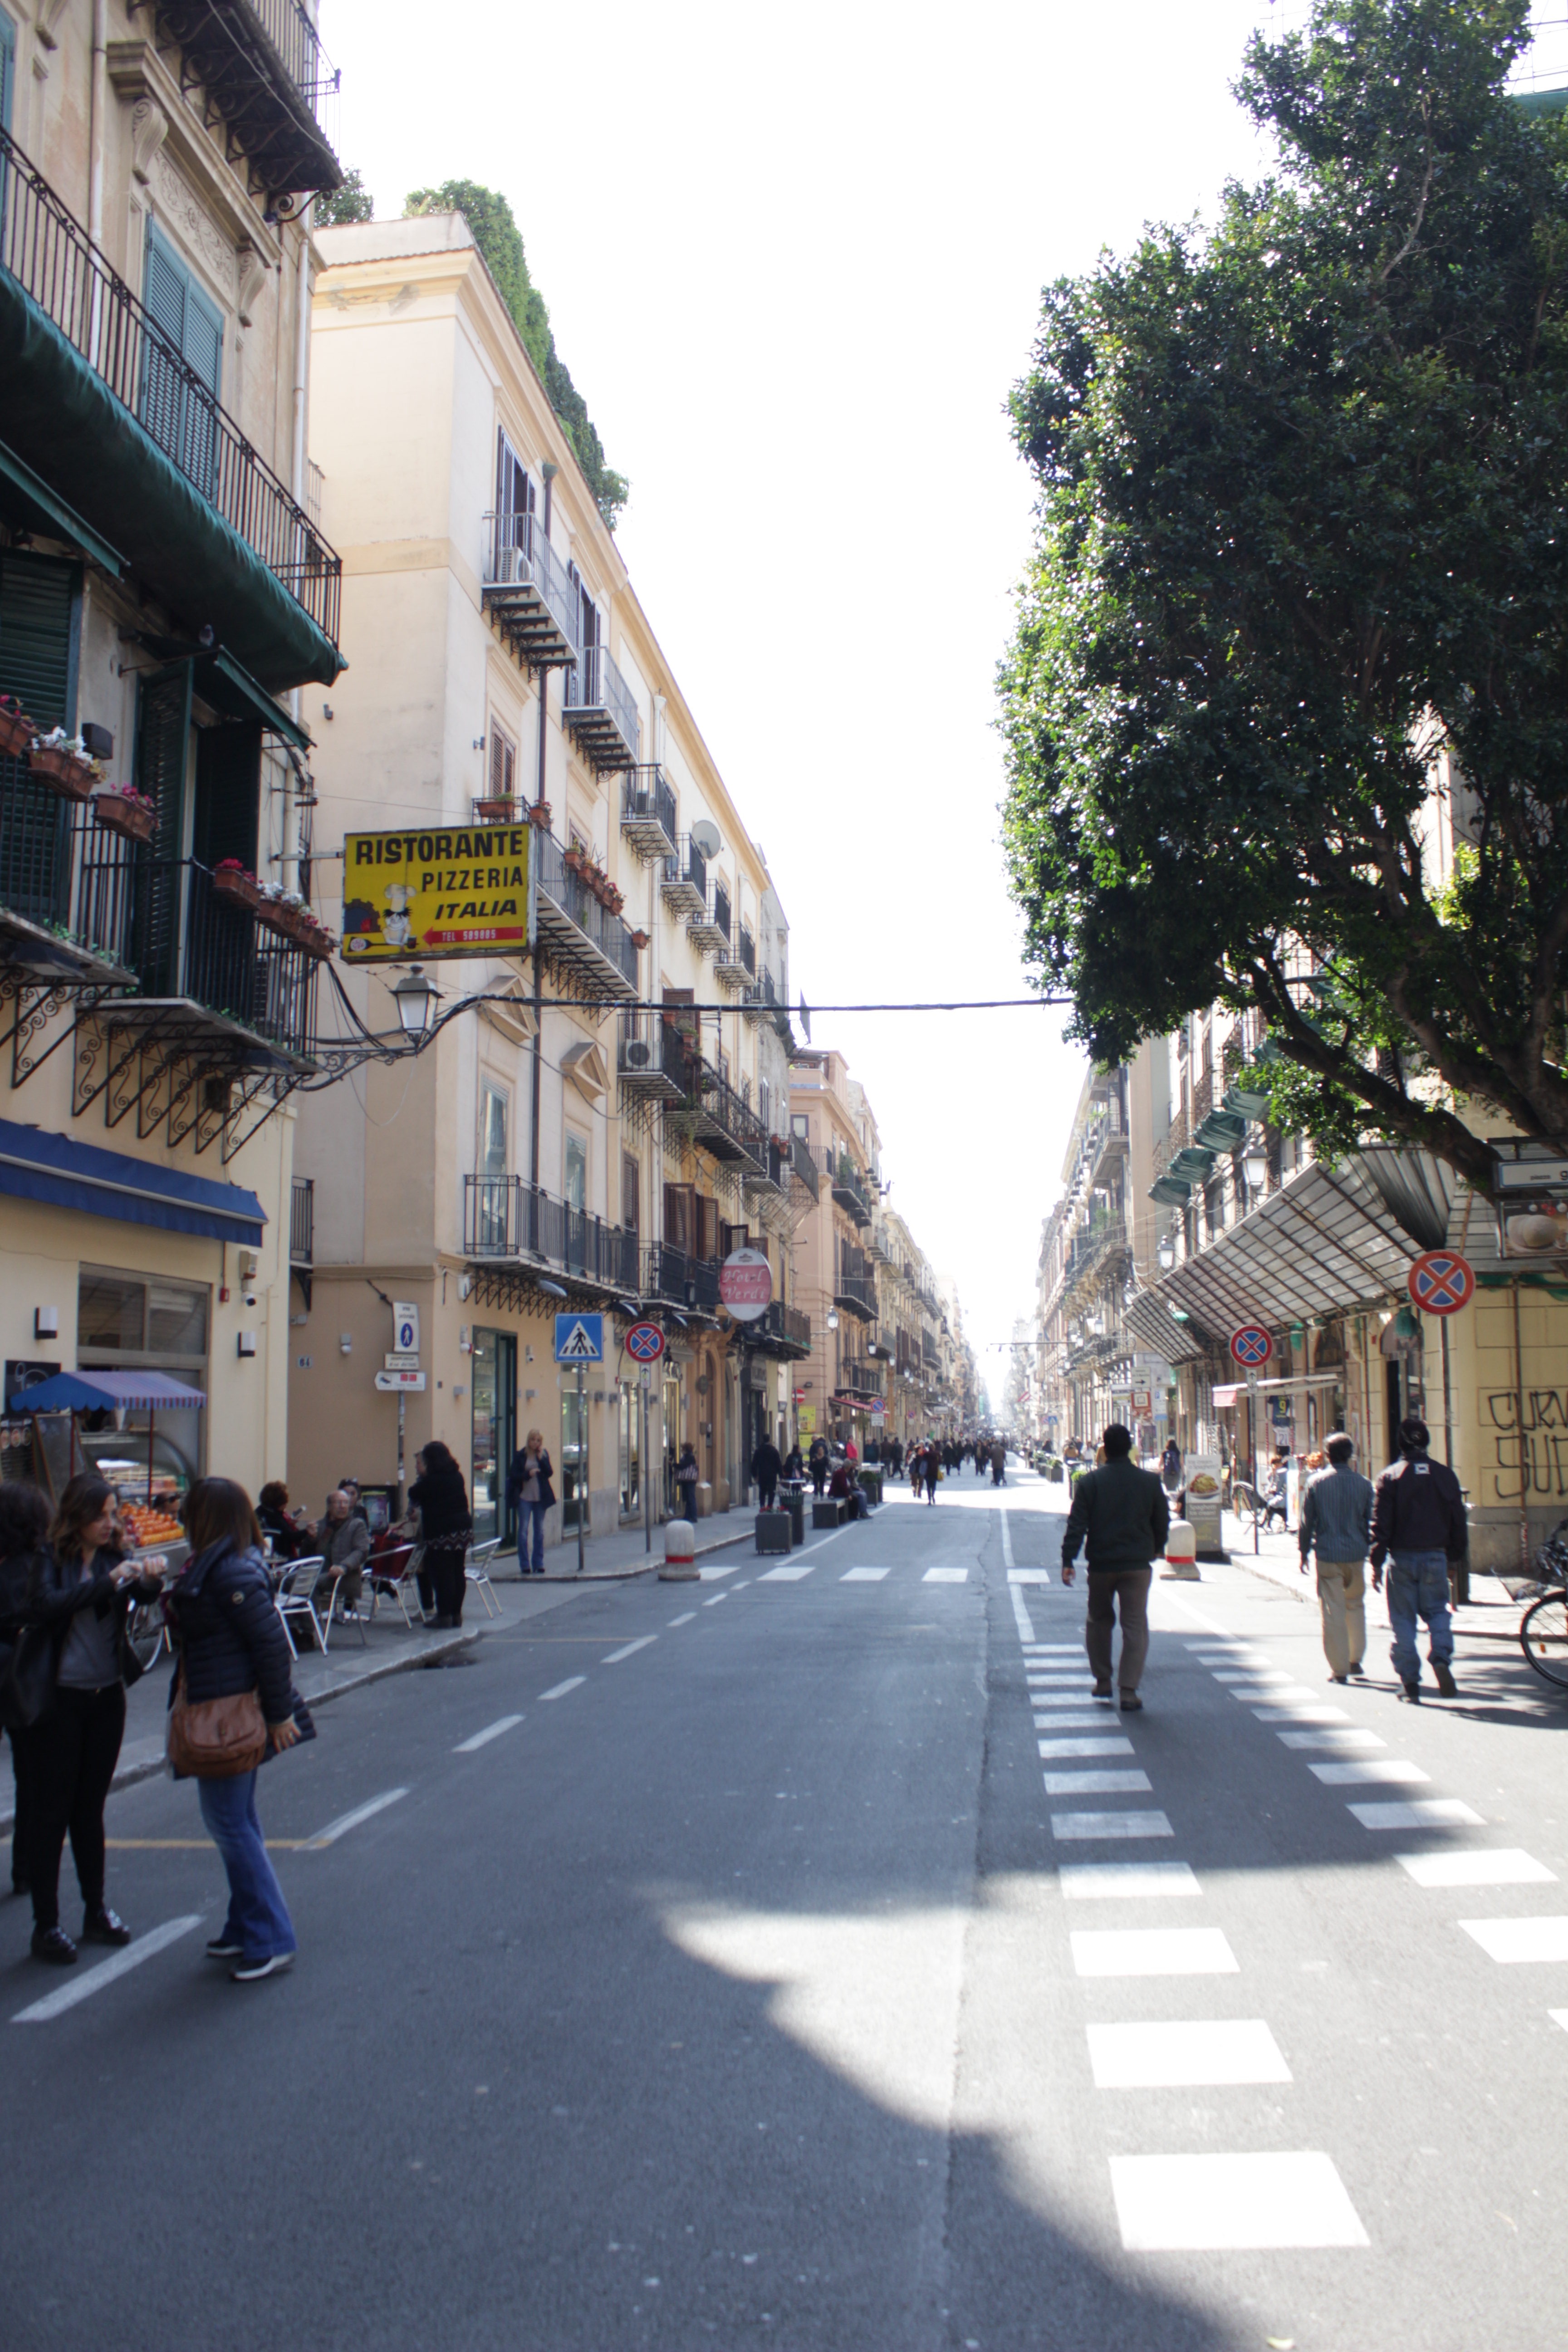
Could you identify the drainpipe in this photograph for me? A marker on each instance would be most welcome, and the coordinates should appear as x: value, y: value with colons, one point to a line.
x: 100, y: 111
x: 549, y: 470
x: 292, y: 829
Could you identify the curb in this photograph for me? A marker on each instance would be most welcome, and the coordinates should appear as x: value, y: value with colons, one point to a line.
x: 649, y: 1563
x: 129, y: 1775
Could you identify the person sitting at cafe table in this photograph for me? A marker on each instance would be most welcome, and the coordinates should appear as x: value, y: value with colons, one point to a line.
x: 342, y: 1538
x: 277, y: 1522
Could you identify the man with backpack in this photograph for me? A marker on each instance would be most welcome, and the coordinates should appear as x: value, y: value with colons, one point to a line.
x: 1418, y: 1526
x: 1125, y: 1516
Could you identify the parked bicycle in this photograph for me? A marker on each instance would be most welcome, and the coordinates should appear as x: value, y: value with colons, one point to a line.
x: 1543, y: 1629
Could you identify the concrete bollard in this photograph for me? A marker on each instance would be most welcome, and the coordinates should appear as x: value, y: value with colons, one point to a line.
x: 1182, y: 1553
x: 679, y: 1554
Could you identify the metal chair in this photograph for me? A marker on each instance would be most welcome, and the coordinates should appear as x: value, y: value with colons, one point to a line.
x: 339, y: 1613
x: 296, y: 1597
x: 476, y: 1572
x: 391, y: 1573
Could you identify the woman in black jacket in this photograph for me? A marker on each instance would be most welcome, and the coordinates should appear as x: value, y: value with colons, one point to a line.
x: 80, y: 1591
x: 446, y: 1523
x: 231, y: 1639
x: 24, y: 1527
x: 529, y: 1488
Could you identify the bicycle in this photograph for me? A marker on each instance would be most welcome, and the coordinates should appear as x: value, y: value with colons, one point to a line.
x: 1543, y: 1628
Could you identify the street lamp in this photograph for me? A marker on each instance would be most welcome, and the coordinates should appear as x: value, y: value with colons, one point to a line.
x: 1255, y: 1168
x: 833, y: 1319
x: 416, y: 999
x: 1166, y: 1254
x: 551, y: 1289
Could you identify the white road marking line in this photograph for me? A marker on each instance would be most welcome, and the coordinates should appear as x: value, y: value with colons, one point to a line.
x: 945, y: 1575
x: 1127, y: 1881
x: 1007, y: 1542
x: 713, y: 1575
x: 1369, y: 1768
x: 1028, y: 1576
x: 629, y: 1651
x: 1153, y: 1952
x: 1248, y: 1677
x: 1220, y: 1632
x: 788, y: 1572
x: 1520, y: 1939
x: 1107, y: 1744
x: 682, y: 1621
x: 1273, y: 1694
x: 346, y: 1822
x: 1507, y: 1866
x: 863, y: 1576
x: 573, y: 1682
x: 1021, y: 1616
x: 1110, y: 1825
x: 1211, y: 2204
x: 1098, y: 1784
x: 1418, y: 1812
x: 1054, y: 1650
x: 91, y: 1980
x: 491, y: 1731
x: 1340, y: 1741
x: 1558, y: 2017
x: 1080, y: 1718
x: 1300, y: 1714
x: 1185, y: 2053
x: 716, y: 1600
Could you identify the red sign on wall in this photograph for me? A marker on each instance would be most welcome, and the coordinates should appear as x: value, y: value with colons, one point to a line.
x: 746, y: 1284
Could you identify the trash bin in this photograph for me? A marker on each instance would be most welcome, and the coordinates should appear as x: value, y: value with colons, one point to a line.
x: 793, y: 1494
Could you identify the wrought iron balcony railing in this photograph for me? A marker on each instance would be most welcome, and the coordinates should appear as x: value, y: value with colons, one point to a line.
x: 261, y: 66
x: 652, y: 1057
x: 505, y: 1217
x: 50, y: 257
x: 578, y: 928
x: 647, y: 811
x: 685, y: 883
x: 685, y: 1281
x: 601, y: 710
x: 526, y: 592
x: 64, y: 876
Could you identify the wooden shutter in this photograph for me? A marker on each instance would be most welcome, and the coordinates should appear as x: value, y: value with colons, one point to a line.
x: 162, y: 736
x: 707, y: 1227
x: 631, y: 1190
x: 503, y: 764
x: 39, y: 610
x: 680, y: 1217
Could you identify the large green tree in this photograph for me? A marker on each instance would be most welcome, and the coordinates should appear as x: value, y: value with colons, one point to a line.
x: 1302, y: 551
x: 499, y: 238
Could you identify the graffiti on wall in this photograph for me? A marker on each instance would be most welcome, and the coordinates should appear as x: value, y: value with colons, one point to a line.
x: 1539, y: 1449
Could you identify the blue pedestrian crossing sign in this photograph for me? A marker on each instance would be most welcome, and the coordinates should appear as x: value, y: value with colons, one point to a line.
x: 579, y: 1338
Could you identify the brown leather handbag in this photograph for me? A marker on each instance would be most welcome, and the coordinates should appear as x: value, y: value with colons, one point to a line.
x: 218, y: 1738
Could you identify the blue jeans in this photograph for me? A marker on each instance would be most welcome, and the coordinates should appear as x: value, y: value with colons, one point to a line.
x: 1419, y: 1582
x: 258, y: 1919
x: 532, y: 1521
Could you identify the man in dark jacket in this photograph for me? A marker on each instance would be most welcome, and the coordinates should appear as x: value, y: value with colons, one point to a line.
x: 1125, y: 1516
x: 1418, y: 1526
x: 816, y: 1462
x: 766, y: 1464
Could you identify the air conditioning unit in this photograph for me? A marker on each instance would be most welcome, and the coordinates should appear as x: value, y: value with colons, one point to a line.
x: 511, y: 567
x: 639, y: 1055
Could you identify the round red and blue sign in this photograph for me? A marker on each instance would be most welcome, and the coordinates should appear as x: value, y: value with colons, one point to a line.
x: 645, y: 1343
x: 1441, y: 1282
x: 1251, y: 1347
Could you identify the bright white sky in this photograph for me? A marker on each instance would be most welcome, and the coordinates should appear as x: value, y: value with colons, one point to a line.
x: 793, y: 259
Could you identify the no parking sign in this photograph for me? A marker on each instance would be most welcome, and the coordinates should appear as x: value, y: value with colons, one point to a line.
x: 1441, y: 1282
x: 1251, y: 1347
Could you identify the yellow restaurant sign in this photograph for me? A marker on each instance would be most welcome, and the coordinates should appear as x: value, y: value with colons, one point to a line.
x: 463, y: 890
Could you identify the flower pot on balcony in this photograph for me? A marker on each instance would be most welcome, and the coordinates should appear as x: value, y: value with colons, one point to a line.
x: 230, y: 882
x: 63, y: 772
x: 639, y: 940
x: 539, y: 814
x: 17, y: 731
x: 274, y: 916
x: 134, y: 819
x: 496, y: 812
x: 316, y: 941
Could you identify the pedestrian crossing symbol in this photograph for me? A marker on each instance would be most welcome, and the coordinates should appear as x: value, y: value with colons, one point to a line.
x: 579, y: 1338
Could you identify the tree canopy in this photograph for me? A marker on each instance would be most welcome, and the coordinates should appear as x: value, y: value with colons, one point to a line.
x: 1302, y: 561
x: 350, y: 200
x: 499, y: 238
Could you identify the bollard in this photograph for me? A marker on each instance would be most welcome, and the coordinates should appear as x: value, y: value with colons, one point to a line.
x: 1182, y: 1553
x: 680, y: 1560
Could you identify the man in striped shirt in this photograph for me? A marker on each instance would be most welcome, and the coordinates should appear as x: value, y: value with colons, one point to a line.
x: 1336, y: 1518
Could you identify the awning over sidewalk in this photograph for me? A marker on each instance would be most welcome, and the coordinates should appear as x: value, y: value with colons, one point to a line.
x: 96, y: 1391
x: 70, y: 1175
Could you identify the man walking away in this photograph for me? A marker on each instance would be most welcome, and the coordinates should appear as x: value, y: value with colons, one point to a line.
x: 816, y: 1462
x: 766, y: 1465
x: 1336, y: 1516
x: 1418, y: 1526
x: 998, y: 1463
x: 1124, y: 1512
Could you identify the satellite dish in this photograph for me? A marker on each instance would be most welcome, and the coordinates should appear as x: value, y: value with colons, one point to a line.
x: 706, y: 836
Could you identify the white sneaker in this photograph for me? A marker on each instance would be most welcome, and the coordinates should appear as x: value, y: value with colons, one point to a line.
x: 252, y: 1971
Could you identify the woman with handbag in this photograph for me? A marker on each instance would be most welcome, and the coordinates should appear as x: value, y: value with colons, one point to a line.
x: 528, y: 1484
x: 446, y: 1522
x: 232, y: 1706
x: 79, y: 1593
x: 25, y: 1677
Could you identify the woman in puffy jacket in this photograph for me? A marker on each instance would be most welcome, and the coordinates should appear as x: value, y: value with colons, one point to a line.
x: 231, y: 1639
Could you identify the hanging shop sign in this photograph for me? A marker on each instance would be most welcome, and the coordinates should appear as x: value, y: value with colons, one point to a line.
x: 746, y: 1284
x: 1441, y: 1282
x: 465, y: 890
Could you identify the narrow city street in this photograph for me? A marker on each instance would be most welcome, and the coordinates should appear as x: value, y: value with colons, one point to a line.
x: 798, y: 1957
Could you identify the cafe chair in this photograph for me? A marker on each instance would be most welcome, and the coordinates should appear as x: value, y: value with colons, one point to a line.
x: 296, y: 1599
x: 476, y: 1572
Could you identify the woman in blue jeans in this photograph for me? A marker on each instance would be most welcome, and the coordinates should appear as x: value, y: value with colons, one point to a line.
x: 231, y: 1639
x: 530, y: 1494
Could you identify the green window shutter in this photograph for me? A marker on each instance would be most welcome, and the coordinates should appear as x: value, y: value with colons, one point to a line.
x: 162, y: 736
x: 7, y: 68
x: 39, y: 615
x: 179, y: 420
x: 228, y: 787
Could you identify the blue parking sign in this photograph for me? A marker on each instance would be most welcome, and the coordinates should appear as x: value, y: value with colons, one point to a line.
x: 579, y: 1338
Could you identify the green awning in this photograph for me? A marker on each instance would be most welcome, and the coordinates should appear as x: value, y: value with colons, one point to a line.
x: 63, y: 421
x: 220, y: 680
x: 38, y: 508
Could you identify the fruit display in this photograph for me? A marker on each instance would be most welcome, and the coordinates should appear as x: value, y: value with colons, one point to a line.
x: 147, y: 1527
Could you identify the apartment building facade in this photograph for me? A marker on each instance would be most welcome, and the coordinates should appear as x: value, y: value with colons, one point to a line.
x: 613, y: 1120
x: 165, y: 592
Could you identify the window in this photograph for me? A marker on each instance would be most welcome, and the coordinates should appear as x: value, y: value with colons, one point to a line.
x: 765, y: 1104
x: 503, y: 764
x: 799, y: 1124
x: 125, y: 1319
x: 180, y: 420
x: 577, y: 1192
x: 631, y: 1192
x: 493, y: 1107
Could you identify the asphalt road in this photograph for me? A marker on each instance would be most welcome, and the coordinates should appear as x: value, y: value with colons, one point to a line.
x: 765, y: 1979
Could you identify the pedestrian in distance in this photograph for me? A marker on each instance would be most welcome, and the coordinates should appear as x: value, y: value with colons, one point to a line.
x: 766, y: 1466
x: 687, y: 1474
x: 932, y: 1468
x: 1124, y: 1515
x: 342, y: 1538
x: 794, y: 1465
x: 1171, y: 1467
x: 998, y: 1463
x: 817, y: 1461
x: 446, y: 1523
x: 1336, y: 1522
x: 529, y: 1490
x: 230, y: 1642
x: 23, y: 1531
x: 1418, y: 1526
x: 81, y: 1592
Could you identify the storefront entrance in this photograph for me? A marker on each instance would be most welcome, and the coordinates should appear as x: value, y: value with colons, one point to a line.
x: 629, y: 1447
x: 495, y: 1433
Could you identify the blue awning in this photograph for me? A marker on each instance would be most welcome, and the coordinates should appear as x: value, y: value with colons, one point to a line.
x: 68, y: 1175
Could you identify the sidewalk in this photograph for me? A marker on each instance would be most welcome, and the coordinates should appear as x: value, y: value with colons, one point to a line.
x: 392, y: 1648
x: 1488, y: 1615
